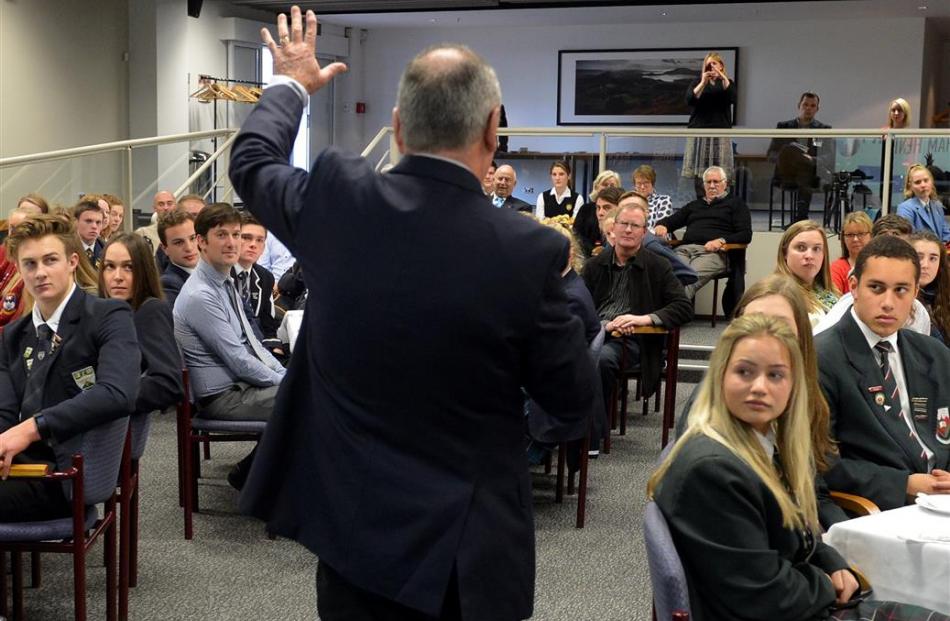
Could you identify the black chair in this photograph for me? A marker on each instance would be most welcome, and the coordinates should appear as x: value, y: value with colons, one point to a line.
x: 789, y: 189
x: 670, y: 590
x: 93, y: 475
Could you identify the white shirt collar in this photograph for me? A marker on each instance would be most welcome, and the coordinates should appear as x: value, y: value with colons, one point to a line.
x: 870, y: 336
x: 190, y: 270
x: 767, y: 441
x: 53, y: 320
x: 86, y: 246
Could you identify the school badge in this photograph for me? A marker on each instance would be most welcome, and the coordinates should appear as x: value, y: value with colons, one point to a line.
x: 85, y: 378
x: 943, y: 425
x: 569, y: 207
x: 9, y: 302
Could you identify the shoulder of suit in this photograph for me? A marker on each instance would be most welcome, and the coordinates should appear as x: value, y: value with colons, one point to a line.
x: 924, y: 343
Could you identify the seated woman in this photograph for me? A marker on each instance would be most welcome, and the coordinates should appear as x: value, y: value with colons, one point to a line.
x: 129, y: 273
x: 934, y: 291
x: 737, y: 491
x: 803, y: 255
x: 661, y: 205
x: 587, y: 224
x: 922, y: 208
x: 856, y: 233
x: 560, y: 200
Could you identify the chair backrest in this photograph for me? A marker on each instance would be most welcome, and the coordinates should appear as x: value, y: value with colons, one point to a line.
x: 670, y: 592
x: 102, y: 449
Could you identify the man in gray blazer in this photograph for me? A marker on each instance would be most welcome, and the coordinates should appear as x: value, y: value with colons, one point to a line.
x: 887, y: 387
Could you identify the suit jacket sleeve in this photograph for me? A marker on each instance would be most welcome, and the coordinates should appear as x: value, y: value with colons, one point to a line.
x: 9, y: 403
x: 117, y: 378
x: 268, y: 318
x: 677, y: 309
x: 732, y: 558
x: 558, y: 373
x: 160, y: 384
x: 260, y: 172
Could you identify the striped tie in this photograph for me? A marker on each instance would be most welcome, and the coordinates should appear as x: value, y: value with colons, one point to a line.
x: 884, y: 348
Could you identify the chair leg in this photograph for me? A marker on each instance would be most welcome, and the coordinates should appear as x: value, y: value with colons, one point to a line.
x: 715, y: 297
x: 195, y: 473
x: 111, y: 582
x: 582, y: 483
x: 207, y: 449
x: 188, y: 483
x: 124, y: 554
x: 624, y: 393
x: 559, y: 482
x: 134, y: 533
x: 36, y: 570
x: 547, y: 464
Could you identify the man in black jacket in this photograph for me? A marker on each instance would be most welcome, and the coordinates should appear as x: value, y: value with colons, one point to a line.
x: 711, y: 222
x: 176, y: 232
x: 504, y: 183
x: 633, y: 287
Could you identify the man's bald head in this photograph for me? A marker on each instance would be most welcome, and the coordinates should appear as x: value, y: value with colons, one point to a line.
x: 163, y: 201
x: 505, y: 181
x: 446, y: 98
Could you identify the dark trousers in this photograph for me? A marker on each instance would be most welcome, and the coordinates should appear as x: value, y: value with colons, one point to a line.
x: 339, y: 600
x: 29, y: 500
x: 609, y: 366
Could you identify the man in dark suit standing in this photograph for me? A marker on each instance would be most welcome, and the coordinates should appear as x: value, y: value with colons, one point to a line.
x: 176, y: 232
x: 887, y: 387
x: 505, y: 180
x: 396, y: 450
x: 803, y: 161
x: 70, y: 365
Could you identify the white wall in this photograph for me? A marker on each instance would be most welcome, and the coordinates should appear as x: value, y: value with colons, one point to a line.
x: 63, y: 84
x: 857, y: 66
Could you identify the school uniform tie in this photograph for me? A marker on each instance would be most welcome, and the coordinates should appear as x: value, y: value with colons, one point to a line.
x: 243, y: 287
x: 89, y: 254
x: 36, y: 378
x: 884, y: 348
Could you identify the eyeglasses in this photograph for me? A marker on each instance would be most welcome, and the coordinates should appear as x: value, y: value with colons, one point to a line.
x: 633, y: 226
x: 714, y: 181
x: 854, y: 236
x: 641, y: 184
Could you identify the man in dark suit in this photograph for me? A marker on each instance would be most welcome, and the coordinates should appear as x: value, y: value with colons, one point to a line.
x: 396, y: 450
x: 255, y: 284
x: 504, y: 183
x: 887, y: 387
x: 803, y: 161
x: 88, y: 216
x: 176, y: 232
x: 70, y: 365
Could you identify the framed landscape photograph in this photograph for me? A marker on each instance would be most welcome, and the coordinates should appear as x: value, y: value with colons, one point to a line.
x: 631, y: 87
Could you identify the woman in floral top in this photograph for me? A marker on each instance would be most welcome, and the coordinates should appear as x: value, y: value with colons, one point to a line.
x: 803, y: 255
x: 661, y: 205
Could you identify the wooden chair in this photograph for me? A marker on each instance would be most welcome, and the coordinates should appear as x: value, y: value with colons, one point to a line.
x: 93, y: 475
x: 856, y: 506
x: 194, y: 432
x: 735, y: 279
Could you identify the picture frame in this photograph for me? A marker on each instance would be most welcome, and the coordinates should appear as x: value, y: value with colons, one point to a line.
x: 631, y: 87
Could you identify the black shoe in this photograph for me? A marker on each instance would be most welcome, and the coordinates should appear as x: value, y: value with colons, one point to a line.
x: 237, y: 477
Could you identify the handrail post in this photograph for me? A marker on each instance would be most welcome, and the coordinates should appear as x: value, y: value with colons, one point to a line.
x: 886, y: 174
x: 393, y: 149
x: 603, y: 153
x: 127, y: 209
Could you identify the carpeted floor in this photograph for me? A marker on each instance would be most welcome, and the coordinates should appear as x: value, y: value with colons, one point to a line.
x: 232, y: 571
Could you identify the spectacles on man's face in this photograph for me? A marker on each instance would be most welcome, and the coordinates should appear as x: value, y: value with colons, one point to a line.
x: 854, y: 236
x: 632, y: 226
x: 713, y: 181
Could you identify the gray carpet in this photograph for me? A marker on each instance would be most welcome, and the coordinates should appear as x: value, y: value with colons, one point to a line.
x: 232, y: 571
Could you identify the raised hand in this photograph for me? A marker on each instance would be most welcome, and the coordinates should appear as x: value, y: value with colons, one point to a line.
x: 295, y: 57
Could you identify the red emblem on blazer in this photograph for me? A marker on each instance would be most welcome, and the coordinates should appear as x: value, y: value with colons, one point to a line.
x: 943, y: 426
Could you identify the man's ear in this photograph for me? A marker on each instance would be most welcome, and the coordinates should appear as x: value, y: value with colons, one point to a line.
x: 852, y: 284
x: 490, y: 135
x: 397, y: 132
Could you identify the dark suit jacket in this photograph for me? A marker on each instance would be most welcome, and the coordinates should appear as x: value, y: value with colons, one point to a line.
x: 94, y: 333
x: 97, y: 248
x: 262, y: 301
x: 824, y: 154
x: 653, y: 289
x: 172, y: 279
x: 740, y: 561
x: 877, y: 452
x: 160, y: 384
x: 396, y: 447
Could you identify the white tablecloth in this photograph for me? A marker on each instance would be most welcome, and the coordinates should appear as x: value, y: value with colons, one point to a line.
x: 290, y: 327
x: 899, y: 570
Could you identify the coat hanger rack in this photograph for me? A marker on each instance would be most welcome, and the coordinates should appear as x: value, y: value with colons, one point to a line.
x: 238, y: 91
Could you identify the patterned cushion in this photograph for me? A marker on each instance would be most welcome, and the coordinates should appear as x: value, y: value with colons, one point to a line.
x: 47, y: 530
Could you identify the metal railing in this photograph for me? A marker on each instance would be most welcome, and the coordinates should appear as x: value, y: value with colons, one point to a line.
x: 605, y: 133
x: 128, y: 146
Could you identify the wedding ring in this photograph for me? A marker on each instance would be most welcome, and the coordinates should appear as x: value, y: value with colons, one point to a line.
x: 284, y: 40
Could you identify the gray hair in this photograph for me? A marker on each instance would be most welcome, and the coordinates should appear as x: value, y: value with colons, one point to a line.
x: 718, y: 169
x: 445, y: 99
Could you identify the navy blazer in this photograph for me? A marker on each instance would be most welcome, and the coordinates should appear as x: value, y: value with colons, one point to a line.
x: 160, y: 385
x: 96, y: 335
x: 877, y: 452
x: 172, y: 280
x: 396, y: 447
